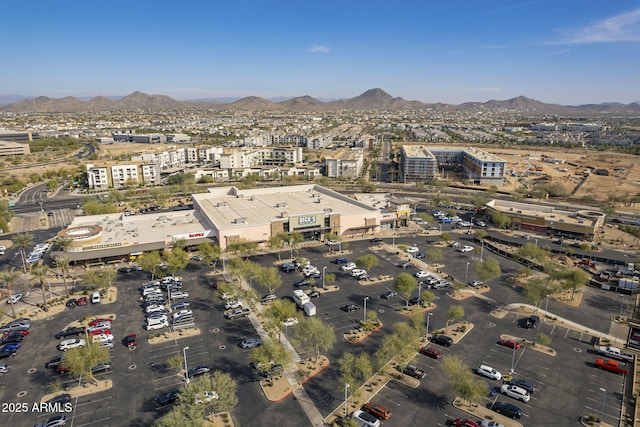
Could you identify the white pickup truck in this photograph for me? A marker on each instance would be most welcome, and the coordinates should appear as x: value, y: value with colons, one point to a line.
x: 615, y: 353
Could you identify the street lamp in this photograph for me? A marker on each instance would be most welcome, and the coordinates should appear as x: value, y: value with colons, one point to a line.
x: 536, y: 240
x: 186, y: 371
x: 466, y: 273
x: 481, y: 249
x: 604, y: 400
x: 428, y: 317
x: 346, y: 388
x: 365, y: 309
x: 440, y: 227
x: 513, y: 358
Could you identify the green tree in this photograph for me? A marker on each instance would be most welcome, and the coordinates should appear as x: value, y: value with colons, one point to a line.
x: 269, y: 278
x: 445, y: 237
x: 543, y: 339
x: 269, y: 353
x: 329, y: 279
x: 9, y: 277
x: 151, y: 262
x: 404, y: 285
x: 176, y: 260
x: 276, y: 243
x: 434, y: 254
x: 276, y: 313
x: 455, y: 312
x: 312, y: 334
x: 62, y: 264
x: 536, y: 290
x: 530, y: 251
x: 500, y: 219
x: 210, y: 253
x: 40, y: 273
x: 481, y: 233
x: 23, y: 241
x: 576, y: 278
x: 427, y: 297
x: 81, y: 360
x: 469, y: 387
x: 488, y: 269
x: 367, y: 262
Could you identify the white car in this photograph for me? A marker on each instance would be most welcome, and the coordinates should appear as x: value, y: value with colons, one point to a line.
x: 154, y: 326
x: 179, y: 295
x: 480, y: 224
x: 412, y: 250
x: 184, y: 313
x: 476, y: 283
x: 230, y: 304
x: 72, y: 343
x: 487, y: 423
x: 14, y: 298
x: 358, y: 272
x: 106, y: 344
x: 465, y: 248
x: 515, y: 392
x: 365, y: 419
x: 226, y: 296
x: 154, y: 307
x: 102, y: 338
x: 489, y: 372
x: 348, y: 266
x: 332, y: 243
x: 422, y: 274
x: 206, y: 396
x: 291, y: 321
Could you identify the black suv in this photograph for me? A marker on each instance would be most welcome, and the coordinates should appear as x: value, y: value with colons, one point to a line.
x: 69, y: 332
x: 442, y: 340
x: 168, y: 397
x: 507, y: 409
x: 532, y: 322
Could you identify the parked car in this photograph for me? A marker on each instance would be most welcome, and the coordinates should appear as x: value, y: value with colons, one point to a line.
x: 59, y: 399
x: 357, y: 272
x: 507, y: 409
x: 465, y: 248
x: 365, y: 418
x: 180, y: 305
x: 70, y: 332
x: 237, y: 312
x: 515, y: 392
x: 351, y: 307
x: 55, y: 421
x: 100, y: 320
x: 510, y: 343
x: 390, y: 294
x: 532, y: 322
x: 377, y: 410
x: 251, y: 343
x: 340, y: 261
x: 301, y: 282
x: 406, y: 264
x: 197, y: 371
x: 376, y: 240
x: 232, y: 304
x: 22, y: 323
x: 130, y: 341
x: 412, y: 250
x: 414, y: 371
x: 463, y: 422
x: 420, y: 255
x: 168, y: 398
x: 69, y: 344
x: 23, y: 332
x: 205, y: 396
x: 314, y: 294
x: 476, y: 283
x: 4, y: 368
x: 11, y: 338
x: 102, y: 338
x: 442, y: 340
x: 13, y: 299
x: 431, y: 352
x: 53, y: 363
x: 268, y: 298
x: 101, y: 367
x: 179, y: 295
x: 291, y: 321
x: 525, y: 384
x: 288, y: 267
x: 348, y: 266
x: 488, y: 423
x: 332, y: 243
x: 422, y: 274
x: 489, y: 372
x: 183, y: 313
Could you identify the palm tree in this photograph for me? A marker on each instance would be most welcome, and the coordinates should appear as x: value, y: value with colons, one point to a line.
x: 23, y: 241
x: 62, y: 263
x: 64, y: 243
x: 10, y: 276
x: 40, y: 272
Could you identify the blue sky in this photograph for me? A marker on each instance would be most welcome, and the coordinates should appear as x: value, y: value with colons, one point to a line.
x: 558, y: 51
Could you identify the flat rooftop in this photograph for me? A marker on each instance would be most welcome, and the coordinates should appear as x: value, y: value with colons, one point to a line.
x: 229, y: 207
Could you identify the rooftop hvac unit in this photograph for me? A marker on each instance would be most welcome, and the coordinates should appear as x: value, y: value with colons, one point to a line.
x: 221, y: 204
x: 284, y: 214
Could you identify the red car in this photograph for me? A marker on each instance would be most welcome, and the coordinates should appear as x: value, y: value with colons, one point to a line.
x: 81, y: 301
x: 459, y: 422
x: 510, y: 344
x: 431, y: 352
x: 99, y: 331
x: 377, y: 411
x: 95, y: 322
x: 23, y: 332
x: 130, y: 341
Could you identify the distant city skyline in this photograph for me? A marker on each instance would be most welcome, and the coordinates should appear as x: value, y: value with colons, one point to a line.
x: 570, y: 52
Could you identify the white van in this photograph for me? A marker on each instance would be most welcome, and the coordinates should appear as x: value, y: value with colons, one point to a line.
x: 152, y: 290
x: 95, y: 297
x: 153, y: 324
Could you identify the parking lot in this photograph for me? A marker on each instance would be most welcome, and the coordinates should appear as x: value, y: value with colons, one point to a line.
x: 569, y: 385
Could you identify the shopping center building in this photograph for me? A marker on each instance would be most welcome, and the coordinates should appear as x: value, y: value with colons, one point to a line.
x: 223, y: 215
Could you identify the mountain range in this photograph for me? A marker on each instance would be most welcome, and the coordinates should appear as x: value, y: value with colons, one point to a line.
x: 371, y: 100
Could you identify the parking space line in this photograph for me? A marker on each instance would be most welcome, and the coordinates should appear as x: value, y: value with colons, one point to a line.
x: 92, y: 402
x: 92, y: 422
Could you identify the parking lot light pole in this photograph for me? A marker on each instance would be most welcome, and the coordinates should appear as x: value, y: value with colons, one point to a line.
x: 536, y: 240
x: 324, y: 269
x: 466, y: 273
x: 186, y: 371
x: 513, y: 358
x: 346, y: 388
x: 621, y: 306
x: 604, y: 400
x: 365, y: 309
x: 428, y: 317
x: 481, y: 249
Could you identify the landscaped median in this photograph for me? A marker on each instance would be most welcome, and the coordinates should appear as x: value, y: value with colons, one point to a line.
x: 81, y: 390
x: 484, y: 413
x: 279, y: 388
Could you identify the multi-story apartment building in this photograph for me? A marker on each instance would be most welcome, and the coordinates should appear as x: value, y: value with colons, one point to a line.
x: 419, y: 163
x: 345, y: 163
x: 122, y: 175
x: 245, y: 158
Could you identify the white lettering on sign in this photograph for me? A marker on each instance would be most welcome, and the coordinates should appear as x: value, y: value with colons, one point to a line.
x: 306, y: 220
